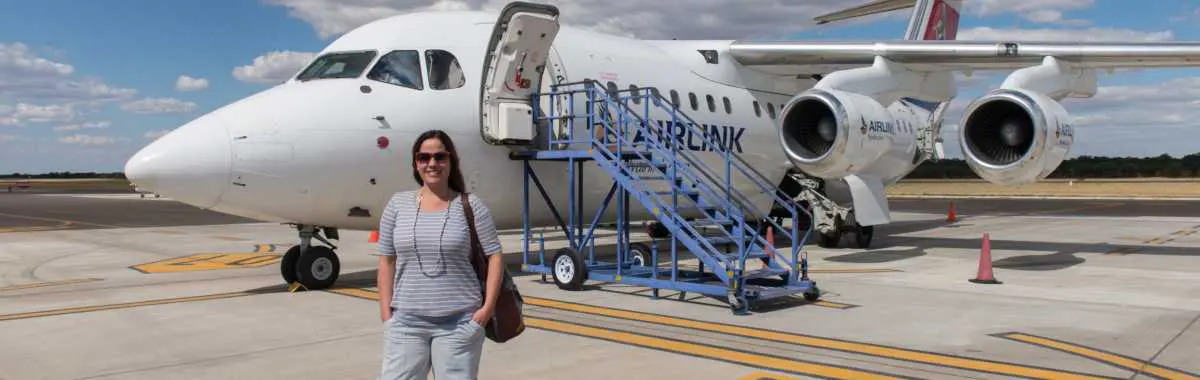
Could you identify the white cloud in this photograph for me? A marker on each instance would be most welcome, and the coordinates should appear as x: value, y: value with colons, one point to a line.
x: 27, y: 77
x: 656, y: 20
x: 88, y: 125
x: 87, y: 140
x: 159, y: 105
x: 274, y: 67
x: 186, y: 83
x: 154, y: 135
x: 1038, y: 11
x: 1059, y: 35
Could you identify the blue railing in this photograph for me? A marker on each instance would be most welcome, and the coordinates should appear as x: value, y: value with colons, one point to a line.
x: 612, y: 115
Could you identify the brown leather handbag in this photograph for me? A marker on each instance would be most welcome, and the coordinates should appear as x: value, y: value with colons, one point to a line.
x: 507, y: 321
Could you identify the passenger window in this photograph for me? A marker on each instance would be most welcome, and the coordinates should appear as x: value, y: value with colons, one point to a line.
x: 401, y: 68
x: 444, y: 71
x: 771, y: 110
x: 337, y: 65
x: 728, y: 106
x: 675, y: 98
x: 757, y: 111
x: 695, y: 104
x: 712, y: 106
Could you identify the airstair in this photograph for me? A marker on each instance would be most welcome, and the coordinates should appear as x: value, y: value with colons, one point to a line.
x: 631, y: 136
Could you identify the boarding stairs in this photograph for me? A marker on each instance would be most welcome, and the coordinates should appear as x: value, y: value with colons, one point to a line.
x: 632, y: 136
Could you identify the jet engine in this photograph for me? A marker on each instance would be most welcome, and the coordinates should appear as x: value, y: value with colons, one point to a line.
x: 831, y: 133
x: 1014, y: 137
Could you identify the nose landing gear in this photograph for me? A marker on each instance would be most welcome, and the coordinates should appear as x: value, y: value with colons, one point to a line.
x: 312, y: 267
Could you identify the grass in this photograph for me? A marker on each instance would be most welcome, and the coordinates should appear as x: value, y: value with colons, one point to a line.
x: 1122, y: 187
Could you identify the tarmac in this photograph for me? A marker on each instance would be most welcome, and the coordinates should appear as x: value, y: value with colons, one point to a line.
x: 99, y: 286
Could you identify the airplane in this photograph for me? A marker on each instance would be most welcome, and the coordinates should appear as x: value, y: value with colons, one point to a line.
x: 325, y: 150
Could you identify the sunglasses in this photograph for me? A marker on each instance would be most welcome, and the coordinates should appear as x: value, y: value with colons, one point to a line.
x: 439, y: 156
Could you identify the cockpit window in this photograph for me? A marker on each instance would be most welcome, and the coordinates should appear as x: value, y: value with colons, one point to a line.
x: 337, y: 65
x: 401, y: 68
x: 444, y: 71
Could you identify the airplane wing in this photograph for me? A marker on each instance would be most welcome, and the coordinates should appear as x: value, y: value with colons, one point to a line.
x: 804, y: 58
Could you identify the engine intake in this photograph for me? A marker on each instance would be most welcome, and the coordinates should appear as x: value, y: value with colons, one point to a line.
x: 832, y: 134
x: 1015, y: 137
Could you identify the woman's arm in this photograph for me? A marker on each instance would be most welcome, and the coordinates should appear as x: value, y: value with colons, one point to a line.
x: 495, y: 271
x: 385, y: 276
x: 385, y: 280
x: 489, y: 240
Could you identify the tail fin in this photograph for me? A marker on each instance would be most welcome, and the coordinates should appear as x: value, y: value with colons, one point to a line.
x: 934, y: 20
x: 931, y: 19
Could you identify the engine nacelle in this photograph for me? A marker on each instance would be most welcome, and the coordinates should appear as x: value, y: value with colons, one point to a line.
x: 1014, y: 137
x: 832, y: 134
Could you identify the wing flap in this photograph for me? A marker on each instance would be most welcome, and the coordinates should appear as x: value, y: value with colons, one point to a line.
x: 802, y: 57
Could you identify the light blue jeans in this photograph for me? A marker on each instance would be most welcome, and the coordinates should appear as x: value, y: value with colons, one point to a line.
x: 451, y: 347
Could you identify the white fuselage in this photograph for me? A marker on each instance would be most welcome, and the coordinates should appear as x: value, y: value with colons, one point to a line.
x: 307, y: 152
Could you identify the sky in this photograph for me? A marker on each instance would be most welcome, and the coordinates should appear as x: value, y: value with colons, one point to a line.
x: 85, y: 84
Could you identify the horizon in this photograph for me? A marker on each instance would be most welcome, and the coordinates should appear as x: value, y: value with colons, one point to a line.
x: 89, y: 94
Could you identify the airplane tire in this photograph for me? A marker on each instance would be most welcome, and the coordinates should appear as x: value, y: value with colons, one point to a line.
x: 863, y: 235
x: 287, y: 265
x: 827, y: 241
x: 317, y: 268
x: 568, y: 270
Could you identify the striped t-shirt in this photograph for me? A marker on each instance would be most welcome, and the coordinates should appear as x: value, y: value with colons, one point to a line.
x: 437, y: 279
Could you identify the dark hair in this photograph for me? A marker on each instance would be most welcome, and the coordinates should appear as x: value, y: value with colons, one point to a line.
x: 456, y: 177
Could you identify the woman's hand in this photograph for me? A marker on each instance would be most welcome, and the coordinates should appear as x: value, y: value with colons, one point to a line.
x: 385, y: 314
x: 483, y: 315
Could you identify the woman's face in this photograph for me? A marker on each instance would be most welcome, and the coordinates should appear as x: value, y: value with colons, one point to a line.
x: 433, y: 162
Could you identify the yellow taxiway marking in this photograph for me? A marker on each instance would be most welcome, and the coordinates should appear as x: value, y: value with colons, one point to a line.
x: 709, y: 352
x: 1119, y: 361
x: 208, y: 261
x: 834, y: 305
x: 941, y: 360
x: 50, y: 283
x: 766, y: 376
x: 675, y: 346
x: 84, y: 309
x: 915, y: 356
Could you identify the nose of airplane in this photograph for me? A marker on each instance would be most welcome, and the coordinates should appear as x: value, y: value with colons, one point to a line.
x: 191, y: 164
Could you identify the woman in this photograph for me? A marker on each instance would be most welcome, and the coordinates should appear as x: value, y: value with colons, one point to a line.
x: 430, y: 298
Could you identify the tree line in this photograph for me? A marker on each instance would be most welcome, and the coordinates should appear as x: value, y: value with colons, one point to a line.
x: 1082, y: 167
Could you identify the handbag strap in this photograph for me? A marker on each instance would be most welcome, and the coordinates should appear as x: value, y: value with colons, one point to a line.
x: 477, y: 259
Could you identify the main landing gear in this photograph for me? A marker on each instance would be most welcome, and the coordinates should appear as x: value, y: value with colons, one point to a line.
x: 832, y: 220
x: 308, y: 266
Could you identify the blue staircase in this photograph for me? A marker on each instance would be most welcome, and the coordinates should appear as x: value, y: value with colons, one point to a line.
x: 631, y: 135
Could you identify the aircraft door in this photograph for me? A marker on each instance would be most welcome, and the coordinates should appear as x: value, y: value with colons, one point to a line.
x: 513, y: 70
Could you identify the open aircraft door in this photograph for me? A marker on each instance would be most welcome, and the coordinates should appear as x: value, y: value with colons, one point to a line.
x: 513, y: 71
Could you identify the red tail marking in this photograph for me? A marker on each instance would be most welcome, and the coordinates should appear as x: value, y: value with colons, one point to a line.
x: 943, y: 22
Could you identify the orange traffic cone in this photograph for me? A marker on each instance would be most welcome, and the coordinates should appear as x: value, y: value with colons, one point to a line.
x: 951, y: 216
x: 374, y: 237
x: 985, y: 276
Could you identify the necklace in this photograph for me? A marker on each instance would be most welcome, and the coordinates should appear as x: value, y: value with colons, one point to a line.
x: 445, y: 220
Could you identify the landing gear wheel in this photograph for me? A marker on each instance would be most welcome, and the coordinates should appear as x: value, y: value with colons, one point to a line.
x: 317, y: 268
x: 828, y: 241
x: 287, y: 265
x: 862, y: 236
x: 568, y: 270
x: 639, y: 253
